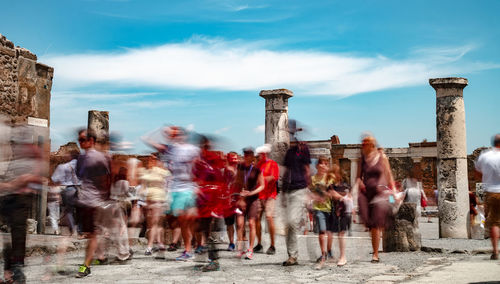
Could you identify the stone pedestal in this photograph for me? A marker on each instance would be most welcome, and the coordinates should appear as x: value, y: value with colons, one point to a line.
x: 98, y: 123
x: 403, y: 234
x: 452, y: 179
x: 277, y: 121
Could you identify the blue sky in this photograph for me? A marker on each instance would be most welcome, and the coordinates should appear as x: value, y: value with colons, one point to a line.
x: 354, y: 66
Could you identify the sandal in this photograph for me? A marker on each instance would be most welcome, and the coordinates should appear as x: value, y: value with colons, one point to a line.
x: 340, y: 264
x: 375, y: 260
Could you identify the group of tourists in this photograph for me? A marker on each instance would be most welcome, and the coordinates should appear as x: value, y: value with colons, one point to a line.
x: 193, y: 190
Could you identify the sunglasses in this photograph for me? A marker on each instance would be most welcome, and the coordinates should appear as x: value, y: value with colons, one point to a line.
x: 81, y: 140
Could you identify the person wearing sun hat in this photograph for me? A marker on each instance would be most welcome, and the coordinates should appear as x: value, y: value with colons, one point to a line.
x: 267, y: 197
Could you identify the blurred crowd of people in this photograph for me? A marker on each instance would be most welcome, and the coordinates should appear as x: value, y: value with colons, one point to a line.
x: 194, y: 191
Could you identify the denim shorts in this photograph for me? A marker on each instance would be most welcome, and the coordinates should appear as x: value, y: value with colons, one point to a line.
x: 324, y: 220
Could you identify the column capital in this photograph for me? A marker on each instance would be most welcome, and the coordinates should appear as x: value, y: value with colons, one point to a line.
x: 270, y: 94
x: 441, y: 85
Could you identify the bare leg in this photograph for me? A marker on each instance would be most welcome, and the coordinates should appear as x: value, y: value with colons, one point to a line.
x: 153, y: 219
x: 342, y: 258
x: 240, y: 226
x: 375, y: 235
x: 270, y: 224
x: 322, y: 243
x: 329, y: 242
x: 258, y: 229
x: 252, y: 225
x: 230, y: 233
x: 186, y: 223
x: 91, y: 248
x: 494, y: 234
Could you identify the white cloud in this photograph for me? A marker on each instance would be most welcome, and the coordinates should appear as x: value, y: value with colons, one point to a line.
x: 190, y: 127
x: 260, y: 128
x: 222, y: 130
x: 237, y: 66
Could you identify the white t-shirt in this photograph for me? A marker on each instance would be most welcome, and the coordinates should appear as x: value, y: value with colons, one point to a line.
x: 488, y: 164
x: 179, y: 159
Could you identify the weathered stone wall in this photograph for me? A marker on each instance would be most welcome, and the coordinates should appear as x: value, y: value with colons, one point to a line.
x: 8, y: 77
x: 429, y: 178
x: 25, y: 84
x: 401, y: 167
x: 471, y: 159
x: 424, y: 158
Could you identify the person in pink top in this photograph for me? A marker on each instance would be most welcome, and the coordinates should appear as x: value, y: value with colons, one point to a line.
x: 267, y: 197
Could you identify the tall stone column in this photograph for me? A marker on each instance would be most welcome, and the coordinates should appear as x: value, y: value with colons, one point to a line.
x: 453, y: 201
x: 98, y: 122
x: 276, y: 132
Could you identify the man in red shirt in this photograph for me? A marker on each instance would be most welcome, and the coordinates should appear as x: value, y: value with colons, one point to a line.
x: 267, y: 197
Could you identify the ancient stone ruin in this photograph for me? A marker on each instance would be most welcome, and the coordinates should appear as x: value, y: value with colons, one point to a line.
x: 452, y: 157
x: 25, y: 86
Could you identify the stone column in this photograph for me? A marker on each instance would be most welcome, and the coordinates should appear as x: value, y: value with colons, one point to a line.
x: 452, y: 179
x: 276, y: 134
x: 277, y: 121
x: 354, y: 170
x: 354, y: 187
x: 98, y: 122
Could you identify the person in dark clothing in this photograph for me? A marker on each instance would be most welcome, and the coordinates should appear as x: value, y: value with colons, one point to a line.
x: 17, y: 185
x: 295, y: 183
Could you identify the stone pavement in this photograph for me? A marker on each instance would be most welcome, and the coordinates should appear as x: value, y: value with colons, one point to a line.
x: 455, y: 263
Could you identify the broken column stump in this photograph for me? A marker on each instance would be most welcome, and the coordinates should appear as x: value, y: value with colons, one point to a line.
x: 403, y: 233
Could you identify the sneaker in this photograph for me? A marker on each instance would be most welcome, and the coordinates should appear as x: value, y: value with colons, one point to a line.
x: 118, y: 261
x: 271, y: 250
x: 17, y: 274
x: 290, y: 262
x: 249, y: 255
x: 160, y: 254
x: 231, y: 247
x: 329, y: 254
x: 172, y: 247
x: 240, y: 254
x: 83, y: 271
x: 97, y: 261
x: 320, y: 265
x: 319, y: 259
x: 200, y: 249
x: 185, y: 256
x: 212, y: 266
x: 148, y: 252
x: 258, y: 248
x: 131, y: 254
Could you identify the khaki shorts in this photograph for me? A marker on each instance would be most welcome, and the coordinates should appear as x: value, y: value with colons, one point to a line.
x: 493, y: 209
x: 268, y: 206
x: 250, y: 208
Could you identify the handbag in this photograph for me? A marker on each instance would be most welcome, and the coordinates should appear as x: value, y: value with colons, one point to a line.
x: 423, y: 202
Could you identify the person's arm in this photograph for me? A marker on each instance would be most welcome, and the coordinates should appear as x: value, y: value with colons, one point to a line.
x: 335, y: 195
x: 388, y: 173
x: 275, y: 174
x: 307, y: 173
x: 19, y: 182
x: 157, y: 146
x: 259, y: 188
